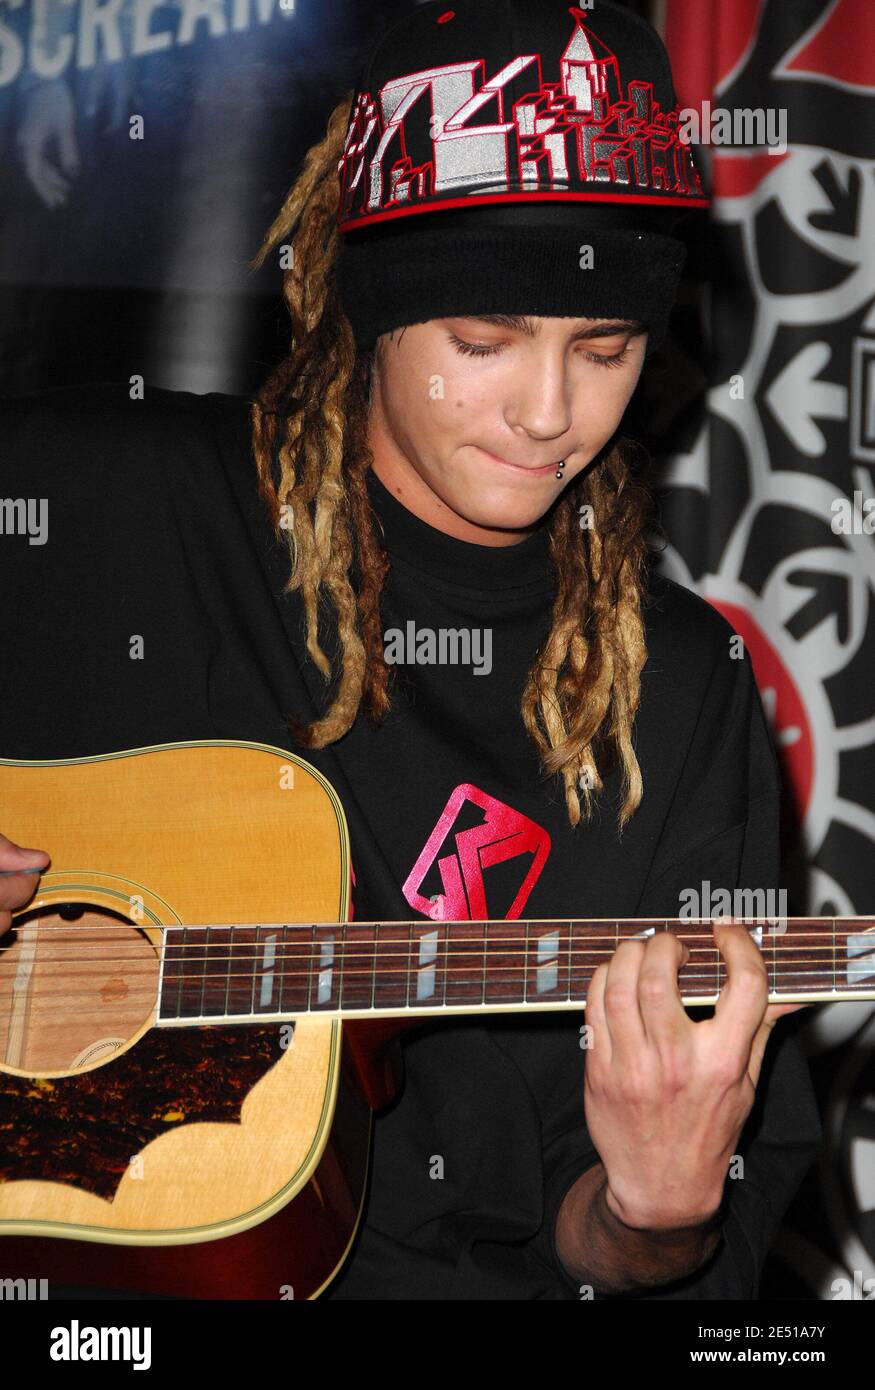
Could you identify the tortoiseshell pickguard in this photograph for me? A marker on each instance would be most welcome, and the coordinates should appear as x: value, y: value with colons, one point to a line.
x: 84, y: 1130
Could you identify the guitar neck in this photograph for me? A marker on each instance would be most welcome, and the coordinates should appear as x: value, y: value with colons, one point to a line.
x: 229, y: 973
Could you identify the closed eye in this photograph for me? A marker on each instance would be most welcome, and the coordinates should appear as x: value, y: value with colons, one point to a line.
x: 482, y: 350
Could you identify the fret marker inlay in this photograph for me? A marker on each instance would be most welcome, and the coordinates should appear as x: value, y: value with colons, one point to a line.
x: 547, y: 972
x: 326, y: 970
x: 426, y: 976
x: 864, y: 969
x: 267, y: 963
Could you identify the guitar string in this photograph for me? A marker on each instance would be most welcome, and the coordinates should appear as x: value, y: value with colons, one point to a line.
x: 508, y: 975
x: 574, y: 924
x: 488, y: 937
x: 810, y: 979
x: 776, y: 953
x: 180, y: 954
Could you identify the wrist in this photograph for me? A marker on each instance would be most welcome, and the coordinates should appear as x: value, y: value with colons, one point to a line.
x: 652, y: 1222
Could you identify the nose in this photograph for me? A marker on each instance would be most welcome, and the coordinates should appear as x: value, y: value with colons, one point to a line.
x: 541, y: 402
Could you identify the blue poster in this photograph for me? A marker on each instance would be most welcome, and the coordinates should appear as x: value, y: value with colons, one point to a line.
x: 150, y: 144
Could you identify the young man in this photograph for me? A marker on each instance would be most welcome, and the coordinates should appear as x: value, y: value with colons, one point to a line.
x: 441, y: 453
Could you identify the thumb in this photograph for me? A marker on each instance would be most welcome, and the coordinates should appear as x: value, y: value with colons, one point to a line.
x: 13, y: 856
x: 764, y: 1032
x: 776, y: 1011
x: 758, y: 1048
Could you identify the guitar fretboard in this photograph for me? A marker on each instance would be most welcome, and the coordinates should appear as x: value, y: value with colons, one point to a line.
x: 232, y: 972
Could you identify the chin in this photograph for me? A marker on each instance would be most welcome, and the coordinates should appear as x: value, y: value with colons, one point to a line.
x: 503, y: 513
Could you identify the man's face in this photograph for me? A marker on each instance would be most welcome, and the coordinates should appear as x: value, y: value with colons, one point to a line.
x: 470, y: 416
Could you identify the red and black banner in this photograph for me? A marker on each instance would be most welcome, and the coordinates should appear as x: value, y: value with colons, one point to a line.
x: 770, y: 505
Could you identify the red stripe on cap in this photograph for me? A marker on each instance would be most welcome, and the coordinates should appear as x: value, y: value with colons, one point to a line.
x: 393, y: 214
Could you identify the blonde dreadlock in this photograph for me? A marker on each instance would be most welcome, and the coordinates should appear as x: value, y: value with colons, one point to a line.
x: 309, y: 426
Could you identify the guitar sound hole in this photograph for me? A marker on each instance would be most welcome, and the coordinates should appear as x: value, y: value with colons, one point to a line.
x: 76, y: 984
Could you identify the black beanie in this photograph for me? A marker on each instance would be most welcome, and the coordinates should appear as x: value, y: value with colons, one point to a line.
x: 504, y: 156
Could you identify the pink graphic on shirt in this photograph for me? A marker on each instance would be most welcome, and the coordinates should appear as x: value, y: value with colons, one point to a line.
x: 502, y: 834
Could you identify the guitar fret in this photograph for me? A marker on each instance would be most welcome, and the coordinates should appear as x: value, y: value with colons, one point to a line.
x: 239, y: 991
x: 215, y: 972
x: 204, y: 968
x: 228, y: 961
x: 249, y: 964
x: 391, y: 980
x: 357, y: 989
x: 374, y: 967
x: 341, y: 964
x: 703, y: 967
x: 294, y: 954
x: 267, y: 998
x: 323, y: 969
x: 465, y: 963
x: 445, y: 941
x: 181, y: 972
x: 805, y: 965
x: 191, y: 979
x: 579, y: 973
x: 281, y: 954
x: 548, y: 955
x: 428, y: 966
x: 311, y: 967
x: 502, y: 963
x: 860, y: 957
x: 170, y: 973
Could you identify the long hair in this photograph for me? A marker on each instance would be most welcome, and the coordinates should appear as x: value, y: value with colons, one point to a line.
x: 309, y: 429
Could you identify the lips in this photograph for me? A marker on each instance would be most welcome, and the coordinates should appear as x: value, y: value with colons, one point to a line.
x: 523, y: 467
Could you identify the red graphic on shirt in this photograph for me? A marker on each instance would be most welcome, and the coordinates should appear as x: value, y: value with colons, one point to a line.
x: 498, y: 835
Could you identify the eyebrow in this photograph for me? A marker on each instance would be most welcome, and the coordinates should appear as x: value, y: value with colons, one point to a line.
x: 520, y: 324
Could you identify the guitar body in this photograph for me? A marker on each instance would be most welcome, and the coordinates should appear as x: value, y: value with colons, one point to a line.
x: 211, y: 1161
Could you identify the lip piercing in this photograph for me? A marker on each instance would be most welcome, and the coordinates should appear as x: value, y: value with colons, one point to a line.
x: 560, y: 465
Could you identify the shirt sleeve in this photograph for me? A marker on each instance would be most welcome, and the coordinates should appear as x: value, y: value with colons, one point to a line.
x: 731, y: 766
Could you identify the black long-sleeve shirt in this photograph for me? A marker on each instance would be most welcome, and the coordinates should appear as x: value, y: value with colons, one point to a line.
x: 155, y: 529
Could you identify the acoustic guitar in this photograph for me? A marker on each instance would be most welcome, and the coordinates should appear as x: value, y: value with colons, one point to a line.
x: 187, y: 1077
